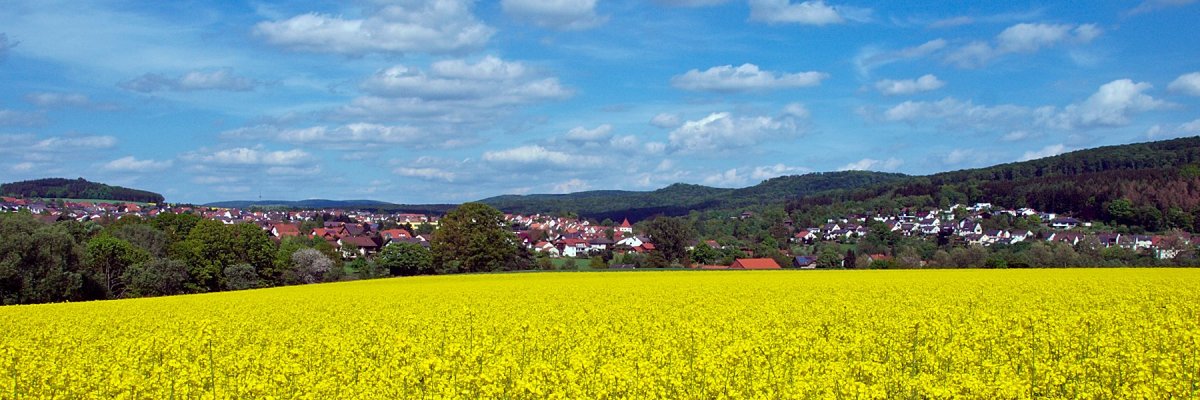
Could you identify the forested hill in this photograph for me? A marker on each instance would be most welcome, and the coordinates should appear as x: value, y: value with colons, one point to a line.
x: 318, y: 204
x: 1155, y: 185
x: 679, y: 199
x: 76, y: 189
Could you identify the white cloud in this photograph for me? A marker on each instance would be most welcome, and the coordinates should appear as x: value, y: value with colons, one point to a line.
x: 665, y: 120
x: 211, y: 180
x: 426, y: 173
x: 870, y: 164
x: 870, y: 58
x: 1159, y: 131
x: 536, y: 154
x: 1187, y: 84
x: 1048, y: 151
x: 1112, y: 105
x: 925, y: 83
x: 421, y: 26
x: 1016, y: 135
x: 572, y: 186
x: 771, y: 171
x: 56, y: 100
x: 796, y: 110
x: 806, y: 13
x: 452, y: 92
x: 691, y: 3
x: 1154, y: 5
x: 20, y: 118
x: 555, y: 14
x: 957, y: 114
x: 22, y: 167
x: 728, y: 178
x: 727, y: 78
x: 294, y: 171
x: 581, y: 134
x: 131, y: 164
x: 220, y: 79
x: 1022, y: 38
x: 68, y: 143
x: 958, y: 156
x: 722, y: 131
x: 52, y: 155
x: 243, y: 156
x: 354, y: 133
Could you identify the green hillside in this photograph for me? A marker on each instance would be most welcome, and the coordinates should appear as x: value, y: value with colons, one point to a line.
x: 59, y: 188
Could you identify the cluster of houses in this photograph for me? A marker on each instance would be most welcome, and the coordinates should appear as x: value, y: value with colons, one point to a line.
x: 569, y: 237
x: 969, y: 229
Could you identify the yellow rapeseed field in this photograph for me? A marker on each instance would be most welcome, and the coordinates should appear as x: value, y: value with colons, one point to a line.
x: 1128, y: 333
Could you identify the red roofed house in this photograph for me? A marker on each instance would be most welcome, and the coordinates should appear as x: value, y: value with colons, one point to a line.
x: 284, y: 230
x: 625, y: 226
x: 395, y: 234
x: 755, y: 263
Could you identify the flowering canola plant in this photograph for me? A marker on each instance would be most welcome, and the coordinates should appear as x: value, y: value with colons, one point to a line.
x: 1085, y: 333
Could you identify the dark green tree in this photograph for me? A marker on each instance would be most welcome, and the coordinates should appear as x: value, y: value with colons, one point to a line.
x: 403, y: 259
x: 107, y: 257
x: 670, y: 237
x: 473, y: 237
x: 159, y: 277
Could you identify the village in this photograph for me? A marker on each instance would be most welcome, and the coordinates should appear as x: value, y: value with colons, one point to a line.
x: 362, y: 234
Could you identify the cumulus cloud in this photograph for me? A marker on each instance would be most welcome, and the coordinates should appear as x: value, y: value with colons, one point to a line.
x: 538, y: 155
x: 426, y: 173
x: 727, y: 178
x: 223, y: 79
x: 805, y: 13
x: 555, y: 14
x: 49, y: 154
x: 1159, y: 131
x: 871, y: 164
x: 747, y: 77
x: 690, y: 3
x: 583, y: 135
x: 452, y: 91
x: 1112, y: 105
x: 1155, y: 5
x: 723, y: 131
x: 958, y: 156
x: 356, y: 133
x: 243, y: 156
x: 958, y: 114
x: 1048, y: 151
x: 571, y: 186
x: 421, y: 26
x: 68, y: 143
x: 1021, y: 38
x: 20, y: 118
x: 871, y: 58
x: 665, y: 120
x: 925, y: 83
x: 65, y: 100
x: 131, y: 164
x: 771, y: 171
x: 1186, y: 84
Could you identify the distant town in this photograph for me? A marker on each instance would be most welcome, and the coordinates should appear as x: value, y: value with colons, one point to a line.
x: 360, y: 234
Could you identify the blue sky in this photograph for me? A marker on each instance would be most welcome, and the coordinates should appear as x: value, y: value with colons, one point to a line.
x: 422, y: 101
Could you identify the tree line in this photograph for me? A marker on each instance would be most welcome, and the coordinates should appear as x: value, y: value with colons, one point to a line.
x: 58, y: 188
x: 184, y: 253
